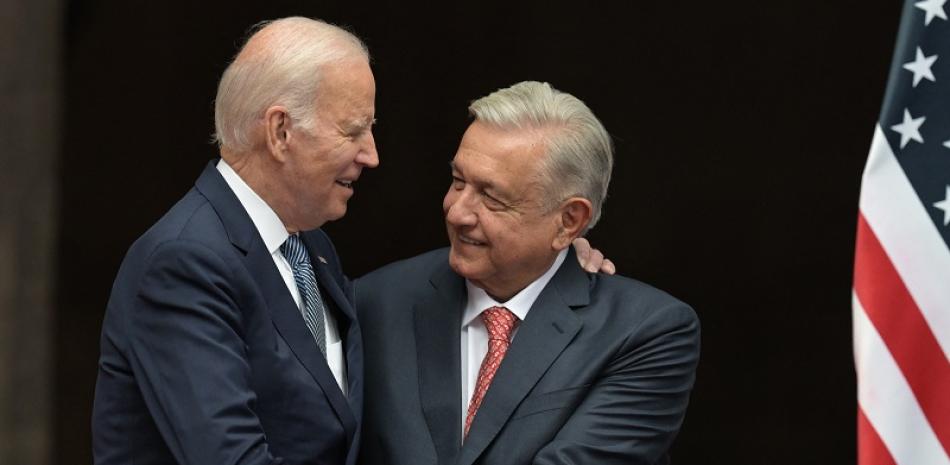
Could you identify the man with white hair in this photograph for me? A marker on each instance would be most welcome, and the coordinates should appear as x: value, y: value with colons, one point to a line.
x: 229, y: 337
x: 502, y: 350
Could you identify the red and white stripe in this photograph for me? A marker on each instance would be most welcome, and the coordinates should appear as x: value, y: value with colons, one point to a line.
x: 901, y: 321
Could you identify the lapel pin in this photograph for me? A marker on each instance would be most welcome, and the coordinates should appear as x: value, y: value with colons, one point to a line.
x: 322, y: 260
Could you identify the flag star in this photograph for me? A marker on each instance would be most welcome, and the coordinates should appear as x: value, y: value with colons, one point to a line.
x: 909, y: 128
x: 921, y: 67
x: 933, y: 8
x: 945, y: 206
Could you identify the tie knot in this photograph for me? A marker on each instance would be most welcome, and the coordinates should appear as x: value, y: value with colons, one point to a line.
x: 500, y: 322
x: 294, y: 251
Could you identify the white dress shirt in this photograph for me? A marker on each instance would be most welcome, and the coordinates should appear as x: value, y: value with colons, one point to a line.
x: 474, y: 340
x: 274, y: 234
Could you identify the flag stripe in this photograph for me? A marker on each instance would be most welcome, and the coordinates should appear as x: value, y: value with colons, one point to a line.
x: 895, y: 316
x: 901, y: 222
x: 901, y: 288
x: 887, y: 401
x: 871, y: 451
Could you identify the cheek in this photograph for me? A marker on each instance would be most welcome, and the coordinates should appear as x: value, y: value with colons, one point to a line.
x: 352, y: 151
x: 513, y: 238
x: 335, y: 159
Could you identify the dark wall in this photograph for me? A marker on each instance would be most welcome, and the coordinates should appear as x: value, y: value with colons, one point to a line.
x: 741, y: 131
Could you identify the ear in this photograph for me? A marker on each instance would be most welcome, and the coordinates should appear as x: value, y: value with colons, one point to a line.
x: 277, y: 128
x: 573, y: 216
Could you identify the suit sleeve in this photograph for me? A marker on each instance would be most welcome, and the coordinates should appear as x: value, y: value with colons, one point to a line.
x: 188, y: 354
x: 634, y: 410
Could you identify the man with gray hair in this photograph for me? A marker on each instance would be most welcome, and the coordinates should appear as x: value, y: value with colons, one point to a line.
x: 230, y: 336
x: 502, y: 350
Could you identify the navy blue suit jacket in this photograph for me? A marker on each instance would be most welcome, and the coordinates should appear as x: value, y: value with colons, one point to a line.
x: 205, y: 358
x: 598, y: 373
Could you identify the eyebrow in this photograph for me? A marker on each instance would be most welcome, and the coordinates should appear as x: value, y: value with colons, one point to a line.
x: 361, y: 123
x: 486, y: 186
x: 455, y: 167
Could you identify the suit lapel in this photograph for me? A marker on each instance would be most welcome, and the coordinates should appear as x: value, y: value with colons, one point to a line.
x: 437, y: 324
x: 346, y: 322
x: 549, y: 327
x: 283, y: 310
x: 326, y: 280
x: 290, y: 324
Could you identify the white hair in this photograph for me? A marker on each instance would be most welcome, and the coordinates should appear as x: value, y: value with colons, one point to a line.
x: 579, y: 152
x: 284, y: 69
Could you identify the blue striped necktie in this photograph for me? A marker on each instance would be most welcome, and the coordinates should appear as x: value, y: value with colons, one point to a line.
x: 296, y: 254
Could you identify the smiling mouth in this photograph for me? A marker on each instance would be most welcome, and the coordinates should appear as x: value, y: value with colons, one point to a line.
x: 466, y: 240
x: 346, y: 184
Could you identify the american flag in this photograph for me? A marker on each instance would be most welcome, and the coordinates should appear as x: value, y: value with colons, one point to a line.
x: 901, y: 293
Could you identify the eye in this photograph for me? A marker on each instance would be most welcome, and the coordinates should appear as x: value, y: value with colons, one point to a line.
x: 493, y: 203
x: 361, y: 130
x: 458, y: 183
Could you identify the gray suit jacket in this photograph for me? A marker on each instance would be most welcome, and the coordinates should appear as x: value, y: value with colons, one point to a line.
x: 599, y: 373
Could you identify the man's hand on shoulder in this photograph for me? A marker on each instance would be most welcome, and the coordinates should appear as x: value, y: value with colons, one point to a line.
x: 591, y: 259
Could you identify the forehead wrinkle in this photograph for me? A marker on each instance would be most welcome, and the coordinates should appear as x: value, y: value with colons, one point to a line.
x: 341, y: 106
x: 472, y: 178
x: 511, y: 193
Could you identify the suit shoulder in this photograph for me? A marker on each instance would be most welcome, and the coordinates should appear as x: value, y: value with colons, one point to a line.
x: 191, y: 229
x: 192, y: 218
x: 624, y: 292
x: 410, y: 270
x: 404, y: 280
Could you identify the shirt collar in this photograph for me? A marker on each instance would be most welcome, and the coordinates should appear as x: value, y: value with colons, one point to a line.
x: 479, y: 300
x: 268, y: 225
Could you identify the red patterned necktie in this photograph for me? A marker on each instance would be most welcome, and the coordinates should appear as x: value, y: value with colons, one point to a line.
x: 500, y: 323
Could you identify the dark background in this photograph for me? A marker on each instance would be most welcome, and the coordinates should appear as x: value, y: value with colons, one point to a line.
x: 741, y: 131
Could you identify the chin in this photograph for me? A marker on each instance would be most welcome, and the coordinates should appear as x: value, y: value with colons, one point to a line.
x: 336, y: 213
x: 462, y: 267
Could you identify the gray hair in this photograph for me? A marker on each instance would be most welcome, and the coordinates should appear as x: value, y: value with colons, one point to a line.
x: 579, y: 155
x: 283, y: 69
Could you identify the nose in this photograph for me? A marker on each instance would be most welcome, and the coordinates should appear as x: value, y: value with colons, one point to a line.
x: 368, y: 155
x: 459, y: 207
